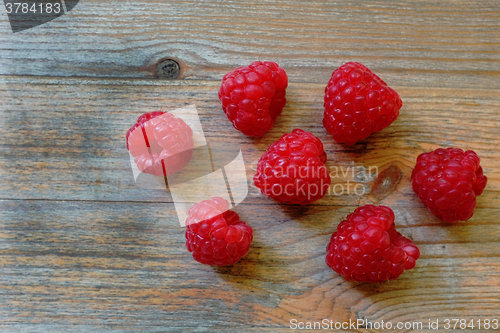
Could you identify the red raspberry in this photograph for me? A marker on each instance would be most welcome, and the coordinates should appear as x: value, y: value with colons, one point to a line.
x: 292, y: 170
x: 367, y: 248
x: 215, y: 235
x: 141, y: 120
x: 447, y: 182
x: 358, y: 103
x: 160, y: 143
x: 252, y: 97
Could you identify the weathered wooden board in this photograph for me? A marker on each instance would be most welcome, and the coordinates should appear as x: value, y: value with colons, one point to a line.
x: 111, y: 255
x: 450, y: 43
x: 84, y: 249
x: 65, y: 138
x: 81, y: 266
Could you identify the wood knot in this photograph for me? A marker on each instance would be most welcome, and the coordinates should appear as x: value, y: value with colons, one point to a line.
x: 386, y: 182
x: 168, y: 69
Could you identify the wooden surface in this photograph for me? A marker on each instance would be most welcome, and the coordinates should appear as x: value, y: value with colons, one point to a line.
x: 83, y: 249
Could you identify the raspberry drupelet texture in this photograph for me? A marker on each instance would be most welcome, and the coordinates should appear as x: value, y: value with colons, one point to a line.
x: 292, y: 170
x: 358, y: 103
x: 215, y: 235
x: 160, y: 143
x: 367, y: 248
x: 253, y: 97
x: 447, y: 182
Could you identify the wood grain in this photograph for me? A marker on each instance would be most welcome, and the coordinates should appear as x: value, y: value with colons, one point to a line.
x: 111, y: 248
x: 85, y: 249
x: 69, y: 138
x: 418, y: 43
x: 112, y: 265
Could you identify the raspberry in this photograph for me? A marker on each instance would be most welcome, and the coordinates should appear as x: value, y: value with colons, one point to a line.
x: 252, y: 97
x: 141, y: 120
x: 160, y: 143
x: 447, y: 182
x: 367, y: 248
x: 292, y: 170
x: 358, y: 103
x: 215, y: 235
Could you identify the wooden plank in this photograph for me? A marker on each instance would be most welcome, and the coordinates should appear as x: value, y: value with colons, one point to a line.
x: 84, y: 249
x: 80, y: 266
x: 417, y: 43
x: 65, y: 138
